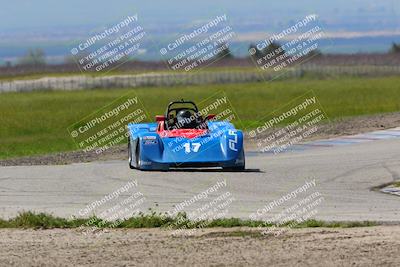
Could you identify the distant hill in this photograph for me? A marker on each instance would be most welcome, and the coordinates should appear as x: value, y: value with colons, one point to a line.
x: 56, y: 25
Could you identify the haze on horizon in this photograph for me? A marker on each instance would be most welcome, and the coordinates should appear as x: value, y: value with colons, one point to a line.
x: 49, y: 23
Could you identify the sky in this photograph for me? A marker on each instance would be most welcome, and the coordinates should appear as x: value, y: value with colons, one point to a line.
x: 350, y: 14
x: 53, y: 24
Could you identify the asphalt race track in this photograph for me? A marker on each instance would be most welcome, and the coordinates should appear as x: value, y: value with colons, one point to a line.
x: 344, y: 175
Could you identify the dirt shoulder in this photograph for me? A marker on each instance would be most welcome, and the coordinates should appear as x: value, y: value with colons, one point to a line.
x: 368, y: 246
x: 346, y: 126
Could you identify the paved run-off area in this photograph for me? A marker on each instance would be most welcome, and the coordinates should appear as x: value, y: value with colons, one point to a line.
x: 344, y: 177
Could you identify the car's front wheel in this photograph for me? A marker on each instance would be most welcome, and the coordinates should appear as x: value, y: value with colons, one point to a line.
x: 235, y: 168
x: 137, y: 157
x: 130, y: 158
x: 240, y: 167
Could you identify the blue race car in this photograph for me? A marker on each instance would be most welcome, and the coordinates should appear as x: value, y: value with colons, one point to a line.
x: 183, y: 138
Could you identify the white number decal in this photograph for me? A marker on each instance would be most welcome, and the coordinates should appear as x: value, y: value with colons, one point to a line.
x: 233, y: 142
x: 196, y: 147
x: 191, y: 147
x: 187, y: 147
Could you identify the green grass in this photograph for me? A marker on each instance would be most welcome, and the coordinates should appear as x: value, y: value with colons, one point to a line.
x: 397, y: 184
x: 36, y: 123
x: 153, y: 220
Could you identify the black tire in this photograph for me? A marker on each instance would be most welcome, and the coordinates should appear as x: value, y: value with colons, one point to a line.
x: 237, y: 168
x: 137, y: 156
x: 130, y: 155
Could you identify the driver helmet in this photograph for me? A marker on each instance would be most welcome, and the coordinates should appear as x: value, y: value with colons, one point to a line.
x: 185, y: 119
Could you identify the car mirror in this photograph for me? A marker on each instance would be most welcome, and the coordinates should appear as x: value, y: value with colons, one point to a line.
x: 210, y: 117
x: 160, y: 118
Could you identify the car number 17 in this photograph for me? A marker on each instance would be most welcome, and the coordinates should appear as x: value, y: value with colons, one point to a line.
x: 191, y: 147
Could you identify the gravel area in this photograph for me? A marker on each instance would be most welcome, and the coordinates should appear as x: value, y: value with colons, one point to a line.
x: 369, y: 246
